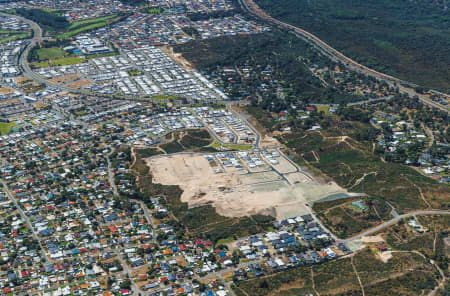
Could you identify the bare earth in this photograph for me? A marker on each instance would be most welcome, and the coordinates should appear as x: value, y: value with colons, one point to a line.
x: 178, y: 57
x: 233, y: 194
x: 64, y: 79
x: 79, y: 83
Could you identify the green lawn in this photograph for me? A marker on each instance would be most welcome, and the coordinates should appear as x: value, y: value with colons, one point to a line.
x: 50, y: 53
x: 154, y: 10
x: 217, y: 145
x: 9, y: 32
x: 224, y: 241
x: 41, y: 64
x: 67, y: 61
x: 15, y: 37
x: 323, y: 108
x: 83, y: 23
x: 163, y: 97
x: 5, y: 127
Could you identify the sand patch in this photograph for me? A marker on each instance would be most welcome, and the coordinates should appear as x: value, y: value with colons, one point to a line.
x: 234, y: 194
x: 268, y: 141
x: 385, y: 256
x: 5, y: 90
x: 372, y: 239
x: 178, y: 57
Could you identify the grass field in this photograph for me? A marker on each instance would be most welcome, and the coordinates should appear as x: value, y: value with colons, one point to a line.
x: 40, y: 64
x: 154, y: 10
x: 12, y: 37
x: 5, y: 127
x: 67, y: 61
x: 218, y: 145
x: 324, y: 109
x: 50, y: 53
x: 9, y: 32
x: 163, y: 97
x: 76, y: 25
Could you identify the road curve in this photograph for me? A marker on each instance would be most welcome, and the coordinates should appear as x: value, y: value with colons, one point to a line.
x: 394, y: 221
x: 254, y: 9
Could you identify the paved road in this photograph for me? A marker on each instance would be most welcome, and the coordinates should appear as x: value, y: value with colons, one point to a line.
x: 149, y: 218
x: 393, y: 221
x: 128, y: 272
x: 404, y: 86
x: 25, y: 217
x: 116, y: 193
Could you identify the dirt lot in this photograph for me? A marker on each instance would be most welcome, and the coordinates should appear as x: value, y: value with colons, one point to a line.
x: 178, y: 57
x: 230, y: 193
x: 21, y: 79
x: 5, y: 91
x: 79, y: 84
x: 64, y: 79
x: 284, y: 166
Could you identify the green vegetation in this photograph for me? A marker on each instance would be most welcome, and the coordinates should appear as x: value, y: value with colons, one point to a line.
x: 163, y: 97
x: 189, y: 140
x: 101, y: 55
x: 67, y: 61
x: 53, y: 22
x: 154, y: 10
x: 278, y: 51
x: 134, y: 73
x: 296, y: 280
x: 415, y: 274
x: 83, y: 23
x: 149, y: 152
x: 15, y: 36
x: 53, y: 56
x: 404, y: 274
x: 346, y: 220
x: 405, y: 38
x: 191, y: 31
x: 344, y: 153
x: 172, y: 147
x: 49, y: 20
x: 431, y: 243
x: 87, y: 25
x: 219, y: 146
x: 5, y: 127
x: 40, y: 64
x: 224, y: 241
x: 50, y: 53
x: 323, y: 109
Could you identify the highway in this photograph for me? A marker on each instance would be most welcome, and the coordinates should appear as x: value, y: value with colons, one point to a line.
x: 404, y: 86
x: 393, y: 221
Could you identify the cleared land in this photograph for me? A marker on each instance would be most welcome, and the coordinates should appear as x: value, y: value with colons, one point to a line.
x: 50, y: 53
x: 233, y: 194
x: 64, y: 79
